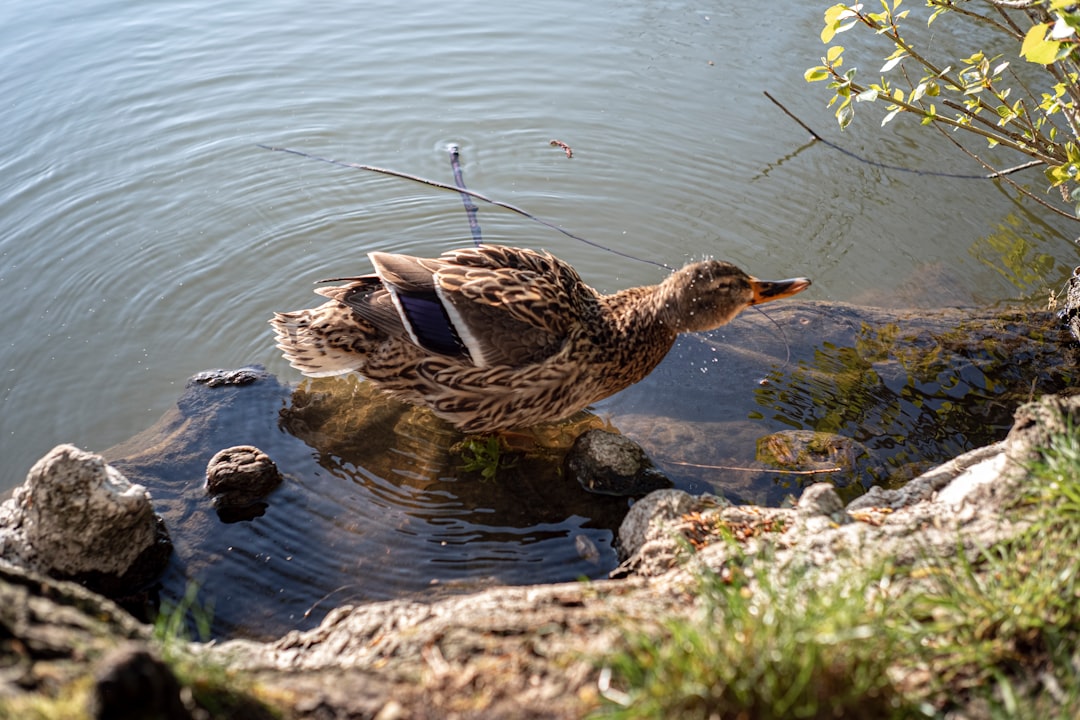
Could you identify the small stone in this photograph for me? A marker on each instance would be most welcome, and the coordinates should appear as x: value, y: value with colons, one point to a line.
x: 646, y: 515
x: 820, y: 499
x: 392, y: 710
x: 133, y: 683
x: 240, y: 476
x: 611, y: 464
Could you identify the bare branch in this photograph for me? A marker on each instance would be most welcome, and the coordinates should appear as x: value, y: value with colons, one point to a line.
x: 1003, y: 175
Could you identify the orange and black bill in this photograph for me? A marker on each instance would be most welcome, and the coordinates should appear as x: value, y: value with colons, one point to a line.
x: 768, y: 290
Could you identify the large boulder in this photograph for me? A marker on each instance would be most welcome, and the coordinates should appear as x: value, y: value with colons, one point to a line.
x: 78, y: 518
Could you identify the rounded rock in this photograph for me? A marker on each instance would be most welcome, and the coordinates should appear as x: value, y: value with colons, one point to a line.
x: 131, y: 683
x: 240, y: 476
x: 611, y: 464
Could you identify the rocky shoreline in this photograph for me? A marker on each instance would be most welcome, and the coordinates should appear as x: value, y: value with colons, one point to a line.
x: 529, y: 651
x: 514, y: 651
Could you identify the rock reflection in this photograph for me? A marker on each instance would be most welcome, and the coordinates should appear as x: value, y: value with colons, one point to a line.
x: 910, y: 389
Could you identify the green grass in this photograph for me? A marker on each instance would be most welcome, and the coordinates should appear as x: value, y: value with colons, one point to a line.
x: 996, y: 635
x: 70, y: 701
x: 217, y: 691
x: 484, y: 455
x: 778, y: 652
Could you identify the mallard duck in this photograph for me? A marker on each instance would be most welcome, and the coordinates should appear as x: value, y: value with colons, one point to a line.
x: 494, y: 338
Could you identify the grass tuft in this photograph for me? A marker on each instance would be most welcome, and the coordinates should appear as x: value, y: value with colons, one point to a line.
x: 990, y: 633
x: 208, y: 685
x: 783, y: 650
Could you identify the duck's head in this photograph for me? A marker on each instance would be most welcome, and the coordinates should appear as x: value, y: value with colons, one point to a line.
x: 708, y: 294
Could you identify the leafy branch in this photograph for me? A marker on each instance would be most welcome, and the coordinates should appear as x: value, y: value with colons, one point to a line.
x: 982, y: 94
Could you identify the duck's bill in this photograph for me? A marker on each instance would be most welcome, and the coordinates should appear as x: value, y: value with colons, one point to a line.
x: 768, y: 290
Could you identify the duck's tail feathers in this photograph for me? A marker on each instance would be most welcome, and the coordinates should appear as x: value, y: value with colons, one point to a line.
x: 315, y: 343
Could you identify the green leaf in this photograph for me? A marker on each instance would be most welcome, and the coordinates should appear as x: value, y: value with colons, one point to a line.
x: 1057, y: 175
x: 834, y: 52
x: 832, y: 22
x: 1036, y: 48
x: 845, y: 115
x: 815, y: 74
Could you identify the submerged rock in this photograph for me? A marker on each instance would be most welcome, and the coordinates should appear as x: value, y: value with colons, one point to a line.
x: 833, y: 458
x: 611, y: 464
x: 78, y: 518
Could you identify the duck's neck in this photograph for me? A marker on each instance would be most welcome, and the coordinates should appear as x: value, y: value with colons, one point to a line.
x: 634, y: 334
x: 644, y: 315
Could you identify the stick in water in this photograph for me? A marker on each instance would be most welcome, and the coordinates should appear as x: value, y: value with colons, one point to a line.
x: 463, y: 191
x: 466, y: 199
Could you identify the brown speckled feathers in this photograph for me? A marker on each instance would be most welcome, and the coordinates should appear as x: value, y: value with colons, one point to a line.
x: 498, y: 337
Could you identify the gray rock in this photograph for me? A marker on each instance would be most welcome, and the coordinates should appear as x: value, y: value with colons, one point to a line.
x: 218, y: 378
x: 821, y: 500
x: 611, y: 464
x: 77, y: 517
x: 650, y: 540
x: 647, y: 517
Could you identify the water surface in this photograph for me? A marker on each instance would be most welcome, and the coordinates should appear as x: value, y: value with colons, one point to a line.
x: 144, y: 237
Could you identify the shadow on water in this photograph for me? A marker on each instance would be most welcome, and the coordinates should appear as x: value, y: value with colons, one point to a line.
x: 376, y: 503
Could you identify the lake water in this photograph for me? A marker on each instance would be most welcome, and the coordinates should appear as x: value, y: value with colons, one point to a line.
x: 145, y: 237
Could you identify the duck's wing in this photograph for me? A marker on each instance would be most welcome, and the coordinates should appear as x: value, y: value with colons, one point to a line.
x: 367, y: 297
x: 400, y: 306
x: 497, y: 311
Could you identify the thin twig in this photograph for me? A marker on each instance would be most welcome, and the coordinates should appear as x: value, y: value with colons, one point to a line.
x: 868, y: 161
x: 466, y: 191
x: 959, y: 10
x: 754, y: 469
x: 994, y: 174
x: 1014, y: 169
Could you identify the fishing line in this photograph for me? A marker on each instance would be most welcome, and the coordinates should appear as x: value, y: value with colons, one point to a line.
x: 783, y: 336
x: 463, y: 191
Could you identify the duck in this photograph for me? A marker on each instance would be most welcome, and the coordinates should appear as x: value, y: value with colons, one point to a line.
x: 495, y: 338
